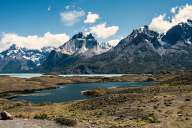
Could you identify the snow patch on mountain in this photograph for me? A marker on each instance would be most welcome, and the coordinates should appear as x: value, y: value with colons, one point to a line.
x: 36, y: 56
x: 82, y: 45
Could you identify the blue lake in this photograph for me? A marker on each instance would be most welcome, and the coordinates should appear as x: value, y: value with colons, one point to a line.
x: 70, y: 92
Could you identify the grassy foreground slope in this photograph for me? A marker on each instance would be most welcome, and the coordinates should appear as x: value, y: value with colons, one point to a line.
x: 167, y: 104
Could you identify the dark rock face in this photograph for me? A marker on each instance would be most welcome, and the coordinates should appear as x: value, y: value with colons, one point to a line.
x: 179, y: 33
x: 17, y: 65
x: 81, y: 45
x: 91, y: 42
x: 56, y: 61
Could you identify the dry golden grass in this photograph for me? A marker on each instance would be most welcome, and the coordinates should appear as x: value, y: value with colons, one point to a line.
x: 165, y: 105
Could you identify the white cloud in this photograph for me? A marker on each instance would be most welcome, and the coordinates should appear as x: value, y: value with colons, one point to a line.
x: 49, y: 8
x: 67, y: 7
x: 102, y: 31
x: 113, y: 42
x: 160, y: 24
x: 91, y: 18
x: 72, y: 7
x: 181, y: 14
x: 32, y: 41
x: 71, y: 17
x: 174, y: 10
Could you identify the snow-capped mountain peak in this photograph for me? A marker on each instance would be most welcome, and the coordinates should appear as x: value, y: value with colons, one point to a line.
x: 181, y: 33
x: 34, y: 55
x: 83, y: 45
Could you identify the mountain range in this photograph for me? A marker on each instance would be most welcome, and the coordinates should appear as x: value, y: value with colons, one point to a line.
x: 143, y: 51
x: 18, y: 59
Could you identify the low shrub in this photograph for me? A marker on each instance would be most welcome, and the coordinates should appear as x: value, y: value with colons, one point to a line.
x: 151, y: 118
x: 41, y: 116
x: 66, y: 121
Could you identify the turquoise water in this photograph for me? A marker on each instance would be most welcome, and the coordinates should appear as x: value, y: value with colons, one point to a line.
x: 70, y: 92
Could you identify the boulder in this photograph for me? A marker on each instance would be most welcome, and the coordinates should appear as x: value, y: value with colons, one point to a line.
x: 5, y: 116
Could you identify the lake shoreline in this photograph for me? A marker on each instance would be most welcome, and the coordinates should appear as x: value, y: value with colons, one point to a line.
x: 138, y: 107
x: 53, y: 82
x: 72, y: 92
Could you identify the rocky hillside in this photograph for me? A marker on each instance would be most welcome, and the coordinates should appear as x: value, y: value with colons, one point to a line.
x: 78, y: 48
x: 81, y: 45
x: 18, y: 59
x: 143, y: 51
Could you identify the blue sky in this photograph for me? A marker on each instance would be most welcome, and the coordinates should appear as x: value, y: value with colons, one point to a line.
x: 37, y: 17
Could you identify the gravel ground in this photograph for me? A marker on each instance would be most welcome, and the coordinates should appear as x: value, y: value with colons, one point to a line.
x: 25, y: 123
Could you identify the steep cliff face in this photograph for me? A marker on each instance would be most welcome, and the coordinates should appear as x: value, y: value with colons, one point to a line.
x: 81, y: 45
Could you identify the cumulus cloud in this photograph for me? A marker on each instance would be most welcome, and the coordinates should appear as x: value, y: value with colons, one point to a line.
x: 174, y: 10
x: 32, y: 41
x: 69, y: 18
x: 49, y: 8
x: 113, y: 42
x: 180, y: 14
x: 91, y: 18
x: 72, y: 7
x: 103, y: 31
x: 67, y: 7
